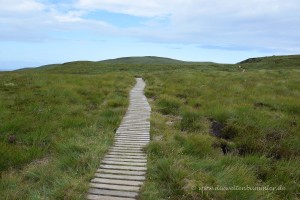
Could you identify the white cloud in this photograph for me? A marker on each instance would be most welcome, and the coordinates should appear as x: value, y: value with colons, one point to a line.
x: 258, y: 24
x: 20, y: 6
x: 252, y: 24
x: 131, y: 7
x: 152, y: 8
x: 72, y: 16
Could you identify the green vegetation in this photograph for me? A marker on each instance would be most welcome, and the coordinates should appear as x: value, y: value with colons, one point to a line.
x: 211, y: 126
x: 146, y: 60
x: 55, y: 129
x: 285, y: 62
x: 257, y: 114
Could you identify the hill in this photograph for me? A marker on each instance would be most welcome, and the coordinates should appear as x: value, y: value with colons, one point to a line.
x: 288, y: 61
x: 146, y: 60
x: 153, y: 63
x: 128, y: 64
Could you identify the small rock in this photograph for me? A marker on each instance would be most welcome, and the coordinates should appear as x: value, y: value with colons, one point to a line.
x: 158, y: 138
x: 9, y: 84
x: 169, y: 123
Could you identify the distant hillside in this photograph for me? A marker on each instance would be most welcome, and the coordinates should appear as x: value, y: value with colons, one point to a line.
x: 146, y: 60
x: 153, y: 63
x: 289, y: 61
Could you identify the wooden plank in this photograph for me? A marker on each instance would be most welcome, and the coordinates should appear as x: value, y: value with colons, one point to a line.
x: 132, y: 140
x: 103, y: 197
x: 115, y: 193
x: 123, y: 172
x: 139, y: 147
x: 138, y: 133
x: 126, y: 151
x: 121, y: 177
x: 109, y: 162
x: 118, y: 150
x: 117, y: 182
x: 140, y: 122
x: 133, y: 137
x: 133, y: 132
x: 130, y: 147
x: 130, y: 130
x: 115, y: 187
x: 125, y: 156
x: 132, y: 125
x: 138, y: 136
x: 126, y: 160
x: 130, y: 168
x: 131, y: 143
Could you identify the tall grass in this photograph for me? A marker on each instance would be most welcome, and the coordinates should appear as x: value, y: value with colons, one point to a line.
x: 54, y: 130
x: 259, y: 143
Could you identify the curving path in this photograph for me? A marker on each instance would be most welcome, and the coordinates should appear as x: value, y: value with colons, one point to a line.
x: 123, y: 169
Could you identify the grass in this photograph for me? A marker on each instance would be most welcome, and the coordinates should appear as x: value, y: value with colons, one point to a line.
x: 211, y: 126
x: 259, y: 116
x: 54, y: 130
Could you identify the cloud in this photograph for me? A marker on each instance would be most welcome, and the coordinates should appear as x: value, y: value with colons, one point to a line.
x: 131, y: 7
x: 263, y: 25
x: 190, y: 8
x: 256, y: 24
x: 34, y: 21
x: 20, y: 6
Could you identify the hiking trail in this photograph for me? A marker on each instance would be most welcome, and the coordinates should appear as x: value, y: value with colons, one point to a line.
x: 123, y: 169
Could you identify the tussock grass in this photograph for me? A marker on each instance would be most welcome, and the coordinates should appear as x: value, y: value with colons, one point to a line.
x: 257, y: 113
x: 61, y: 126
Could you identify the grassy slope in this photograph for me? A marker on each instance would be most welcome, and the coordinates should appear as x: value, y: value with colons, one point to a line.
x: 285, y: 62
x: 63, y: 117
x: 143, y: 60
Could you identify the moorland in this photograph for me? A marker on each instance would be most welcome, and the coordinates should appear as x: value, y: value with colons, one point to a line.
x: 212, y: 125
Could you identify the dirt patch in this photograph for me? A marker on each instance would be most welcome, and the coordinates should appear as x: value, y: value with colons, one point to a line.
x: 259, y: 105
x: 172, y: 119
x: 216, y: 128
x: 197, y: 105
x: 39, y: 162
x: 12, y: 139
x: 225, y: 133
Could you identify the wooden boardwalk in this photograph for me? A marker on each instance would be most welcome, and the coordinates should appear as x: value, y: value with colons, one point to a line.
x: 123, y: 169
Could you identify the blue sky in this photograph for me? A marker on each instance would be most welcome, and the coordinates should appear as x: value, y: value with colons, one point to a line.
x: 38, y: 32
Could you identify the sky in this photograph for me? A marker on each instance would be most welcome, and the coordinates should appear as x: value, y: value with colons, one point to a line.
x: 39, y: 32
